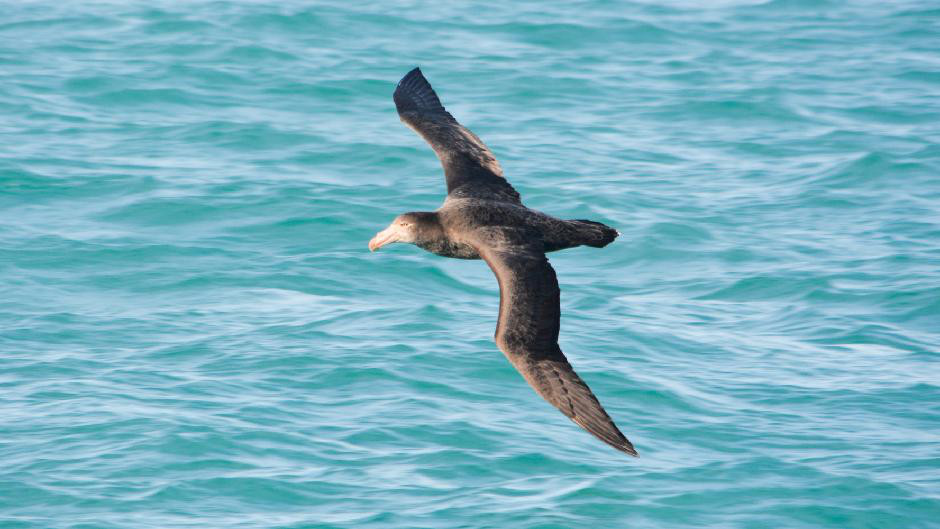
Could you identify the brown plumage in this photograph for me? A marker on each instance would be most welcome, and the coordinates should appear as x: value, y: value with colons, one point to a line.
x: 483, y: 218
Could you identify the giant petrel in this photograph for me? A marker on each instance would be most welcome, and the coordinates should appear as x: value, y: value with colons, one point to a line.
x: 483, y: 218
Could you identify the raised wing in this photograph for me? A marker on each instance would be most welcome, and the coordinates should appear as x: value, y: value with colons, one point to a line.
x: 527, y: 333
x: 470, y: 168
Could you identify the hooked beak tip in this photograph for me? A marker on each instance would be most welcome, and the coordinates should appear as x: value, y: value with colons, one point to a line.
x: 380, y: 240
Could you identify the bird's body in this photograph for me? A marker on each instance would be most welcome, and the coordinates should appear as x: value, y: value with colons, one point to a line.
x: 458, y: 217
x: 484, y: 218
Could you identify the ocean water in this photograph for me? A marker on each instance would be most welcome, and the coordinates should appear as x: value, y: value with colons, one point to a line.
x: 194, y: 334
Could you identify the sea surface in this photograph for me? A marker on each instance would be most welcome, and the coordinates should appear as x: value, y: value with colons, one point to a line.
x: 194, y: 334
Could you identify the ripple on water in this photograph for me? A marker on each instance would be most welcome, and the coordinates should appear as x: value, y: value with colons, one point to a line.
x: 194, y: 332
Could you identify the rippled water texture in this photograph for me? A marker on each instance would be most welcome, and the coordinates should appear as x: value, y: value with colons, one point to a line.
x: 194, y: 333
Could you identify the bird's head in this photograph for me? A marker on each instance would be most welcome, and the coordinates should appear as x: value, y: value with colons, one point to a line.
x: 407, y: 227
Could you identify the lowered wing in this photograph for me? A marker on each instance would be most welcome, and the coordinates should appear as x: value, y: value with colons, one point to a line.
x: 527, y: 333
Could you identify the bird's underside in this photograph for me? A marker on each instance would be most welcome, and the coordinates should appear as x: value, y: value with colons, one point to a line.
x: 484, y: 217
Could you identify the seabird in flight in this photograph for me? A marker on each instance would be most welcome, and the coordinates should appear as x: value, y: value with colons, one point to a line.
x: 483, y: 218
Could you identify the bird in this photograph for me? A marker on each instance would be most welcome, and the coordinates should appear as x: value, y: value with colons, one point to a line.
x: 483, y: 217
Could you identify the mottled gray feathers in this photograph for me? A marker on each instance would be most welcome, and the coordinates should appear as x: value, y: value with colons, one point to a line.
x: 484, y: 217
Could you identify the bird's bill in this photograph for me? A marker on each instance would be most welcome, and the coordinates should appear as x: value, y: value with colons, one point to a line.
x: 386, y: 236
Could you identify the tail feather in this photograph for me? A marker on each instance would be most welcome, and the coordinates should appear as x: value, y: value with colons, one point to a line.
x: 596, y: 234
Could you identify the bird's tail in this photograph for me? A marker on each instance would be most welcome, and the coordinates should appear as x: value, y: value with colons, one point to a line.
x: 594, y: 233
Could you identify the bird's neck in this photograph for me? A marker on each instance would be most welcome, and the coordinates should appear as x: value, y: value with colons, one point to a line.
x: 431, y: 236
x: 428, y: 228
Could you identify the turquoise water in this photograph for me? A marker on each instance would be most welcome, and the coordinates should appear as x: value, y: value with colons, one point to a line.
x: 194, y: 334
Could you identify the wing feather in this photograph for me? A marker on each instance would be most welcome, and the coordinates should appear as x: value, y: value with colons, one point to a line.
x: 527, y: 333
x: 470, y: 168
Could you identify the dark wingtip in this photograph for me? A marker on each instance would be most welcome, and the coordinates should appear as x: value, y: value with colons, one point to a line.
x: 624, y: 445
x: 629, y: 450
x: 609, y: 434
x: 412, y: 74
x: 414, y: 92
